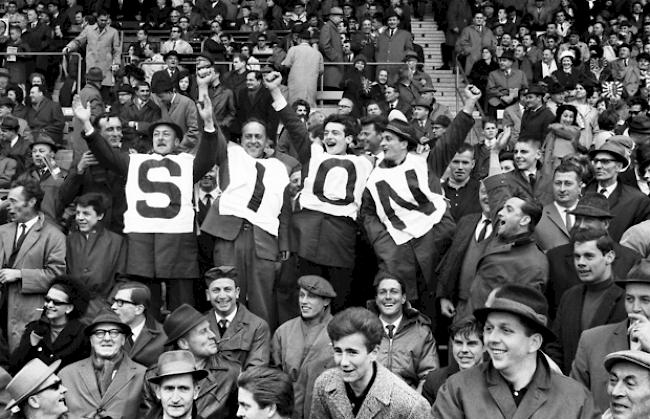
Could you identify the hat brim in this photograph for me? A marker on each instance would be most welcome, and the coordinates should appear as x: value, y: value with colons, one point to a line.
x: 177, y: 129
x: 402, y: 135
x: 620, y: 158
x: 46, y: 374
x: 54, y: 146
x: 624, y: 281
x: 482, y: 313
x: 594, y: 212
x: 615, y: 358
x: 196, y: 374
x: 182, y: 332
x: 124, y: 327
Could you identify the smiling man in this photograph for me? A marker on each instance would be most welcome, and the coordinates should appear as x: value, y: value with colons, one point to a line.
x: 301, y: 347
x: 460, y: 189
x: 360, y: 386
x: 37, y: 391
x: 629, y: 384
x: 518, y: 381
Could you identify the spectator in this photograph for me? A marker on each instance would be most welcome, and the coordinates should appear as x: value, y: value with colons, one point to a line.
x: 481, y: 70
x: 58, y: 335
x: 503, y: 85
x: 154, y: 62
x: 108, y: 382
x: 392, y: 45
x: 180, y: 110
x: 563, y: 135
x: 44, y: 115
x: 626, y: 70
x: 460, y: 188
x: 459, y: 15
x: 235, y: 79
x: 263, y: 390
x: 242, y: 337
x: 14, y: 144
x: 472, y: 39
x: 223, y: 99
x: 513, y: 114
x: 421, y: 123
x: 176, y: 43
x: 90, y: 94
x: 537, y: 116
x: 138, y: 115
x: 306, y: 65
x: 300, y: 347
x: 37, y: 391
x: 103, y: 49
x: 50, y: 177
x: 131, y: 302
x: 94, y: 255
x: 255, y: 102
x: 628, y: 366
x: 332, y: 48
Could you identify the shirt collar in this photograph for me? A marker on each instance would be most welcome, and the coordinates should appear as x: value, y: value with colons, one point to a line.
x: 30, y: 223
x: 609, y: 188
x: 562, y: 210
x: 136, y: 330
x: 396, y: 323
x: 229, y: 318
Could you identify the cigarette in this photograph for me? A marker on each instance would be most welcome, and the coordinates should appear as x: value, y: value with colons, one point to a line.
x: 39, y: 309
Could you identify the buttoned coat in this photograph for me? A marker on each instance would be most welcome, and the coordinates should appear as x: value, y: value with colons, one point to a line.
x: 103, y: 49
x: 481, y: 392
x: 568, y: 321
x: 121, y: 399
x: 40, y: 258
x: 306, y: 65
x: 551, y: 229
x: 389, y: 397
x: 332, y: 49
x: 149, y: 344
x: 470, y: 43
x: 48, y: 118
x: 628, y: 75
x: 302, y: 363
x: 247, y: 340
x: 499, y: 84
x: 392, y: 49
x: 594, y: 345
x: 182, y: 111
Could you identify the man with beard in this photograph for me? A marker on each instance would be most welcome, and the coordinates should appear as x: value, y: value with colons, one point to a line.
x: 37, y: 391
x: 108, y: 383
x: 300, y: 347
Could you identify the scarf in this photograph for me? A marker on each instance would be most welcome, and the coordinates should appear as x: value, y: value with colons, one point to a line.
x: 104, y: 369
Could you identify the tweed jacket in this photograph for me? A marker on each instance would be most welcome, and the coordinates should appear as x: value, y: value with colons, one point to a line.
x: 389, y: 397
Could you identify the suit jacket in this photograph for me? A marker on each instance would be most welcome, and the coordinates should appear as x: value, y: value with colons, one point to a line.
x: 164, y: 75
x: 499, y: 84
x: 534, y: 123
x: 121, y: 399
x: 90, y: 94
x: 629, y: 207
x: 551, y: 229
x: 332, y: 48
x: 392, y: 49
x: 562, y: 271
x: 247, y: 339
x: 389, y: 397
x: 260, y: 107
x: 149, y: 345
x: 593, y: 346
x: 568, y: 325
x: 47, y: 117
x: 628, y: 75
x: 182, y: 111
x: 40, y: 258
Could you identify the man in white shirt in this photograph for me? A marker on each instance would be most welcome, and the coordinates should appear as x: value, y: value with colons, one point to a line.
x: 176, y: 43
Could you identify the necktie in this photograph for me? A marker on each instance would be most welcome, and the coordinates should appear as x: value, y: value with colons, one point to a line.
x: 532, y: 180
x: 483, y: 232
x: 223, y: 325
x: 390, y: 34
x: 390, y: 328
x: 603, y: 191
x: 422, y: 124
x: 567, y: 220
x: 129, y: 343
x: 21, y: 237
x: 208, y: 200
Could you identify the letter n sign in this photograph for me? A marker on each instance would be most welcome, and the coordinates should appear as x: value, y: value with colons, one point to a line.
x: 386, y: 193
x: 167, y: 188
x: 321, y: 174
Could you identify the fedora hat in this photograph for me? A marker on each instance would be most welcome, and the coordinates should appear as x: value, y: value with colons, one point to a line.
x: 508, y: 55
x: 639, y: 358
x: 95, y: 74
x: 181, y: 321
x: 107, y: 316
x: 523, y: 301
x: 336, y: 11
x: 29, y: 380
x: 402, y: 130
x: 639, y: 274
x: 177, y: 129
x: 422, y: 103
x: 176, y: 363
x: 10, y: 123
x: 536, y: 89
x: 593, y: 204
x: 43, y: 138
x: 170, y: 54
x: 616, y: 148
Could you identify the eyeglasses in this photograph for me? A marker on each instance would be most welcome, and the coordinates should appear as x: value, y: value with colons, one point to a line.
x: 175, y: 30
x: 119, y: 302
x: 55, y: 302
x: 101, y: 333
x: 54, y: 386
x: 602, y: 161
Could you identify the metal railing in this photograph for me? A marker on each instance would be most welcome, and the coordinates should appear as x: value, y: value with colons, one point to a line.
x: 51, y: 54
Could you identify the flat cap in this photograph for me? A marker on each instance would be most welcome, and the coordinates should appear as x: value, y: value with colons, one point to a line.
x: 639, y: 358
x: 317, y: 285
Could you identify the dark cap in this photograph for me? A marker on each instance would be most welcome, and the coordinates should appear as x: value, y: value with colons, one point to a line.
x: 43, y: 138
x: 508, y: 55
x: 317, y: 285
x: 169, y: 54
x: 523, y: 301
x: 107, y: 316
x: 639, y: 274
x: 334, y: 11
x: 180, y: 322
x: 410, y: 55
x: 422, y: 103
x: 162, y: 85
x: 177, y: 129
x: 402, y: 130
x: 593, y: 204
x: 205, y: 57
x: 125, y: 88
x: 95, y: 74
x: 536, y: 89
x: 5, y: 101
x: 640, y: 358
x: 10, y: 123
x: 442, y: 120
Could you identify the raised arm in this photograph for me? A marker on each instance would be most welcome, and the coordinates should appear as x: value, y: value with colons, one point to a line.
x: 213, y: 147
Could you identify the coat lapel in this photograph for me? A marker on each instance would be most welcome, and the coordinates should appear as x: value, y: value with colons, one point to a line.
x: 500, y: 393
x: 379, y: 395
x: 125, y: 373
x: 610, y: 299
x: 339, y: 400
x: 8, y: 238
x: 88, y: 379
x: 556, y: 218
x: 32, y: 237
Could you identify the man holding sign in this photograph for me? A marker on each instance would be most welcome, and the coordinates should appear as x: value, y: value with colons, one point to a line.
x: 159, y: 220
x: 251, y: 220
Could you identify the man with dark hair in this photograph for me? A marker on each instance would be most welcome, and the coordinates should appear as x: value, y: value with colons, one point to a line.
x: 555, y: 225
x: 131, y: 302
x: 139, y: 114
x: 255, y: 102
x: 460, y: 188
x: 594, y: 302
x: 359, y: 384
x: 265, y: 393
x: 33, y: 253
x: 518, y: 380
x: 45, y: 115
x: 180, y: 110
x: 537, y: 117
x: 369, y: 136
x: 93, y: 253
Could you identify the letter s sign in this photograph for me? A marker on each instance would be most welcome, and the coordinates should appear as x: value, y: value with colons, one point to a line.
x: 167, y: 188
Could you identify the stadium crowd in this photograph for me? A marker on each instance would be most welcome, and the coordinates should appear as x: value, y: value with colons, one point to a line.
x: 188, y: 232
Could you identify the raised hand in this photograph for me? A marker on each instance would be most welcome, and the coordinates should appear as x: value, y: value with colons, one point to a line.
x: 80, y: 111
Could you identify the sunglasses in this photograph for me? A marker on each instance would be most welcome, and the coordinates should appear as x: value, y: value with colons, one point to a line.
x: 55, y: 302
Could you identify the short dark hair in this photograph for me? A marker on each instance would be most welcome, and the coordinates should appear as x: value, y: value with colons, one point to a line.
x: 94, y: 200
x: 638, y: 101
x: 218, y: 272
x: 604, y: 241
x: 381, y: 275
x: 378, y: 122
x: 489, y: 120
x: 316, y: 130
x: 269, y: 386
x: 258, y: 74
x: 105, y: 117
x: 77, y: 292
x: 567, y: 167
x: 140, y: 293
x: 608, y: 119
x: 301, y: 102
x: 465, y: 327
x: 465, y: 147
x: 531, y: 207
x: 356, y: 320
x: 347, y: 122
x: 20, y: 95
x: 31, y: 189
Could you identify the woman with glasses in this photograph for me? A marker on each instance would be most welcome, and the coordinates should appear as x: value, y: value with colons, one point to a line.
x: 58, y: 333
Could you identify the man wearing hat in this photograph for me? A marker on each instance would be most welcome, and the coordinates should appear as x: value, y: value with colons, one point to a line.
x: 124, y: 96
x: 189, y: 330
x: 630, y: 333
x: 300, y: 346
x: 592, y: 212
x: 332, y: 48
x: 156, y: 256
x: 628, y: 387
x: 170, y: 73
x: 420, y: 121
x: 177, y: 385
x: 392, y: 44
x: 473, y: 38
x: 305, y: 65
x: 36, y: 391
x: 626, y: 70
x: 10, y: 165
x: 628, y: 205
x: 90, y: 94
x: 180, y: 110
x: 503, y: 85
x: 536, y: 117
x: 518, y: 381
x: 420, y: 78
x: 108, y: 383
x: 176, y: 43
x: 407, y: 347
x: 48, y: 174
